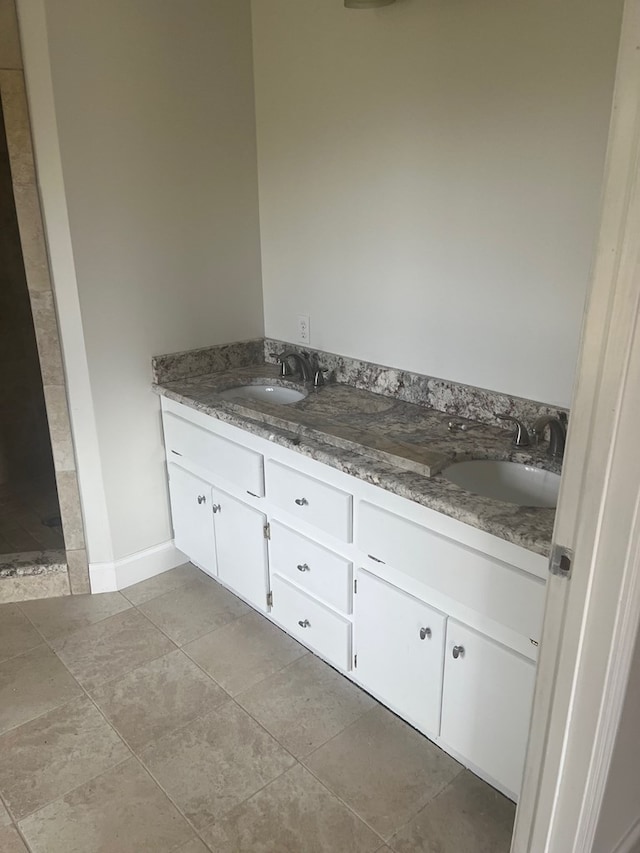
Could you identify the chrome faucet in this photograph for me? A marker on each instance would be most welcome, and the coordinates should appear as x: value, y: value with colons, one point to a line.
x: 520, y: 435
x: 557, y: 434
x: 302, y: 361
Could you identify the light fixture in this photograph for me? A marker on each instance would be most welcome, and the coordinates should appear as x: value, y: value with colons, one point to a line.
x: 367, y: 4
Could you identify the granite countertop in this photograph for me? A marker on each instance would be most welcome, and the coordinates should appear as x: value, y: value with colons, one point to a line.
x: 397, y: 445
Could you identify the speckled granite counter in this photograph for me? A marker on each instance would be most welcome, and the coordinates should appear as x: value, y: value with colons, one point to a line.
x: 397, y: 445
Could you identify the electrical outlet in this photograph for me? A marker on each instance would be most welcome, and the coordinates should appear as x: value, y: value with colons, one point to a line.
x: 304, y: 334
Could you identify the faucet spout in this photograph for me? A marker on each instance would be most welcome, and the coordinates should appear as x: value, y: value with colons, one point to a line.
x: 302, y: 362
x: 557, y: 434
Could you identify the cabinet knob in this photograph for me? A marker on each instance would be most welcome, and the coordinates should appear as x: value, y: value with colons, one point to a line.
x: 216, y: 508
x: 303, y: 567
x: 304, y: 623
x: 302, y: 502
x: 202, y: 499
x: 425, y: 633
x: 458, y: 652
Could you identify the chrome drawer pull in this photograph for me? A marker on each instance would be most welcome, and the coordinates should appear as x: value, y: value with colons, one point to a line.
x: 458, y: 652
x: 217, y: 508
x: 202, y: 499
x: 424, y: 633
x: 303, y: 567
x: 304, y: 623
x: 302, y: 502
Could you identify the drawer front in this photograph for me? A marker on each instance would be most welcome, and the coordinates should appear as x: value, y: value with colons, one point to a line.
x: 310, y: 500
x: 313, y: 568
x: 475, y: 580
x: 312, y: 623
x: 230, y: 461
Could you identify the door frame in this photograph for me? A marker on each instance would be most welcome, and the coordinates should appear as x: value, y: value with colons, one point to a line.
x: 592, y: 620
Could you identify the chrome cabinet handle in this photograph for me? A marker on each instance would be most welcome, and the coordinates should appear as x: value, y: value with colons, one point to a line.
x: 425, y: 633
x: 302, y: 502
x: 458, y: 652
x: 202, y: 499
x: 304, y: 623
x: 303, y: 567
x: 217, y: 508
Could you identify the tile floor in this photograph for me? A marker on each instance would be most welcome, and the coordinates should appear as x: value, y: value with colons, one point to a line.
x: 23, y: 509
x: 174, y: 718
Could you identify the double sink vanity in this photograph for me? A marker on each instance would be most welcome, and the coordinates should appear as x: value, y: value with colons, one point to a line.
x: 398, y: 542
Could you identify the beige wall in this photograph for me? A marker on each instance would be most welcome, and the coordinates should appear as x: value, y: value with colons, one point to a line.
x: 429, y: 180
x: 155, y: 116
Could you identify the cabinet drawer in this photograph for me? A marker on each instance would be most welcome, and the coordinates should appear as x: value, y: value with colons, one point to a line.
x: 500, y: 592
x: 230, y: 461
x: 313, y: 568
x: 310, y: 500
x: 312, y: 623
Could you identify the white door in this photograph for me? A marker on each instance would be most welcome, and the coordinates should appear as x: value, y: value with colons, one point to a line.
x: 191, y: 510
x: 486, y: 705
x: 241, y: 548
x: 400, y: 647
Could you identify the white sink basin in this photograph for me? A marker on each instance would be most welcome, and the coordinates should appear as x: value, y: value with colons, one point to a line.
x: 265, y: 393
x: 510, y: 482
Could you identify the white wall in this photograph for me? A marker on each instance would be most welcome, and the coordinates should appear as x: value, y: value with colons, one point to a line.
x: 429, y: 180
x: 155, y: 116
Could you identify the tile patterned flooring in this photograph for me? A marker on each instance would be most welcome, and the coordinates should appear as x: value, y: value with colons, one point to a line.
x: 22, y: 511
x: 171, y: 718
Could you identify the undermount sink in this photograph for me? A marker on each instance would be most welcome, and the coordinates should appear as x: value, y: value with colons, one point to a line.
x: 510, y: 482
x: 267, y: 393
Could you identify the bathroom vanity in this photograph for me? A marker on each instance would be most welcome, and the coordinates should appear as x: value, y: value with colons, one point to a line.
x: 437, y: 618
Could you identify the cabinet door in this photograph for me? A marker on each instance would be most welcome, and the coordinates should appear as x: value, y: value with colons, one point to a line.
x: 241, y: 548
x: 191, y: 510
x: 400, y: 647
x: 486, y: 706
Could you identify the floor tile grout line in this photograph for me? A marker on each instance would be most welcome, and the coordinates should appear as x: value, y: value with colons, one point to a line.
x: 49, y: 640
x: 193, y: 639
x: 124, y: 741
x: 251, y: 686
x: 160, y: 594
x: 53, y: 708
x: 169, y: 796
x: 430, y: 802
x: 41, y: 642
x: 60, y: 797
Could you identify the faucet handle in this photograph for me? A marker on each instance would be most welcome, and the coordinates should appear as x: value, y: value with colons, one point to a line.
x: 521, y: 436
x: 318, y: 376
x: 285, y: 367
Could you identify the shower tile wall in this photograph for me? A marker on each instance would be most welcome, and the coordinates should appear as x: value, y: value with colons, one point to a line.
x: 27, y: 478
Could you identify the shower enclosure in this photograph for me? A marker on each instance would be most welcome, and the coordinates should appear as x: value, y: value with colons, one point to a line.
x: 29, y: 511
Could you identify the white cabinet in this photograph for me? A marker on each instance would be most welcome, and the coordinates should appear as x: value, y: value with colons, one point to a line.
x: 241, y: 548
x: 486, y: 706
x: 400, y: 649
x: 191, y: 509
x: 426, y: 585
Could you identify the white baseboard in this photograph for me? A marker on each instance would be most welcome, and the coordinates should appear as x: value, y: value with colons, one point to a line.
x: 631, y: 842
x: 110, y: 577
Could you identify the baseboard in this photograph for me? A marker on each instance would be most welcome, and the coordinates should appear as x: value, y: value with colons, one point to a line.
x: 110, y: 577
x: 631, y: 842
